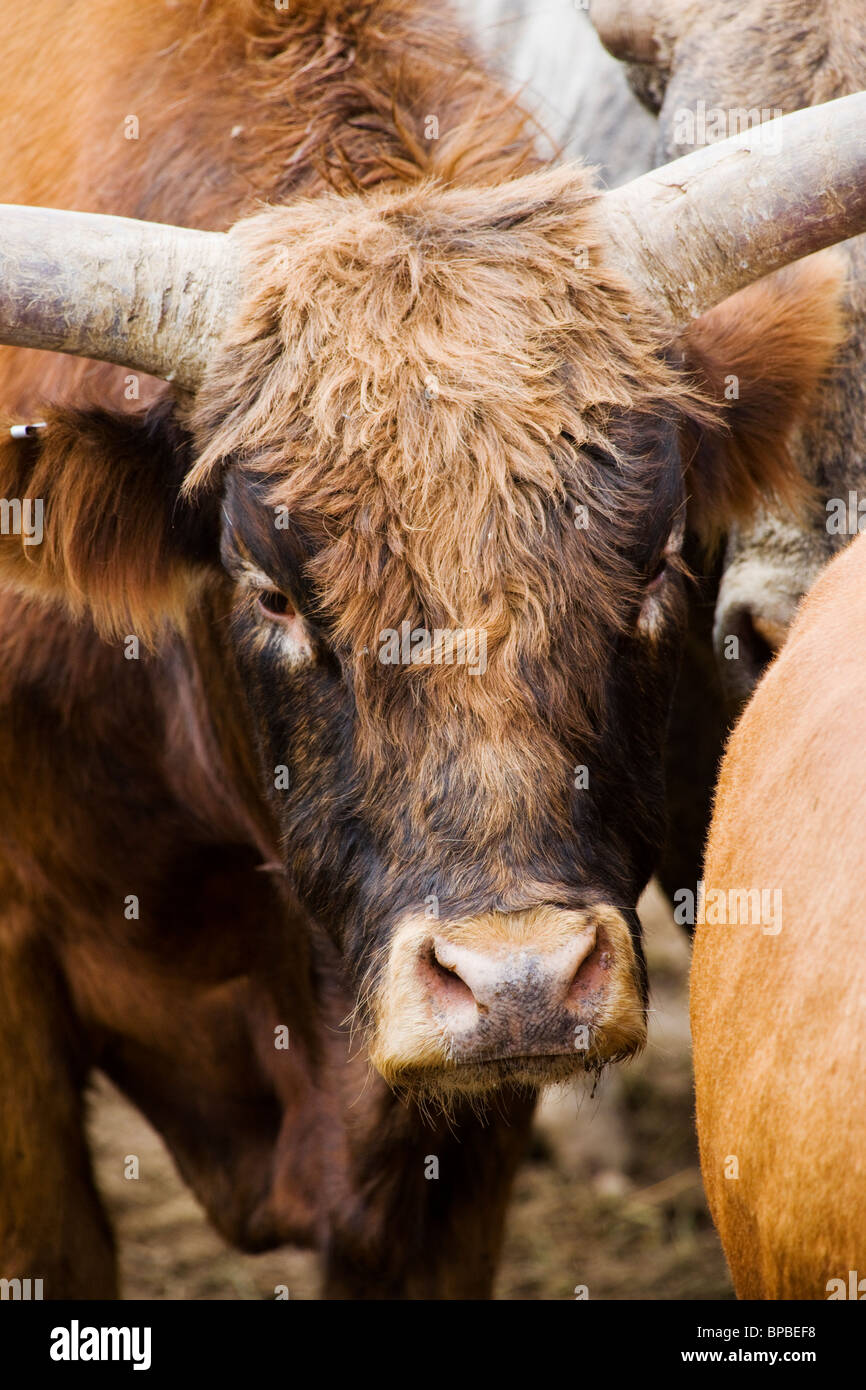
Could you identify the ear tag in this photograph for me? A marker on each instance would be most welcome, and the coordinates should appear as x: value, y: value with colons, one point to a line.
x: 27, y: 431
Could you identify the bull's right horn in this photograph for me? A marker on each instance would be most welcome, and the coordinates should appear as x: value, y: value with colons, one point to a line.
x: 693, y: 232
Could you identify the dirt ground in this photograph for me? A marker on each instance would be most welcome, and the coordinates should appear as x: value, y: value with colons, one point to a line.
x: 610, y: 1197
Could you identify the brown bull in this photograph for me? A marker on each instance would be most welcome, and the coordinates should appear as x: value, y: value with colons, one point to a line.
x: 253, y: 790
x: 777, y: 995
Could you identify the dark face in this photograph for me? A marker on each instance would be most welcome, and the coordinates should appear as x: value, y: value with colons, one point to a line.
x: 474, y: 816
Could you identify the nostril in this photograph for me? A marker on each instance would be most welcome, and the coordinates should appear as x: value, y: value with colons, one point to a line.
x: 755, y: 650
x: 580, y: 965
x: 445, y: 980
x: 772, y: 634
x: 591, y: 971
x: 758, y: 639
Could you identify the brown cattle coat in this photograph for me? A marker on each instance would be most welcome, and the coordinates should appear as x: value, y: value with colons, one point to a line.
x: 779, y: 1016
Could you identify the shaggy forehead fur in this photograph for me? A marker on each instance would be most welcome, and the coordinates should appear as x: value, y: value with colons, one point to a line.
x: 431, y: 380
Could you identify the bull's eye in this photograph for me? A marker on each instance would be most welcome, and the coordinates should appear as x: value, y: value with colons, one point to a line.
x: 657, y: 573
x: 275, y: 604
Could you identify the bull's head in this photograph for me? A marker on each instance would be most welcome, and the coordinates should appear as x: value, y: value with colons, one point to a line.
x: 424, y: 491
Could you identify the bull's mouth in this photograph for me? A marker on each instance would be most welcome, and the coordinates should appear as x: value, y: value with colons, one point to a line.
x: 482, y: 1077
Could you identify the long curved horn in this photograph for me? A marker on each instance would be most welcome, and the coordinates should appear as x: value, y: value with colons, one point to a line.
x: 140, y: 294
x: 694, y: 231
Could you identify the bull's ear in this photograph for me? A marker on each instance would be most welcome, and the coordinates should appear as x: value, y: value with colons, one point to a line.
x: 761, y: 355
x: 92, y: 517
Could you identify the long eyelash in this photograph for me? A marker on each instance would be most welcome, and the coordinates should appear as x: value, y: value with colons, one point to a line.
x: 275, y: 603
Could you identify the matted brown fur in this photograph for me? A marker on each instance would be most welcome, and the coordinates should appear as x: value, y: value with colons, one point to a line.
x: 416, y: 377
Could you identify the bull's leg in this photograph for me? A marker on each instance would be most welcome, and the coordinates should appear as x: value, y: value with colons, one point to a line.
x: 426, y: 1214
x: 52, y: 1225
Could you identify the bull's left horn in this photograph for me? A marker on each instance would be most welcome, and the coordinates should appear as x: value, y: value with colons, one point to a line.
x: 140, y: 294
x: 693, y: 232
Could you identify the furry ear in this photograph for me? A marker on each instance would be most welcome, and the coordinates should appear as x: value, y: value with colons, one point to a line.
x: 761, y: 355
x: 94, y: 518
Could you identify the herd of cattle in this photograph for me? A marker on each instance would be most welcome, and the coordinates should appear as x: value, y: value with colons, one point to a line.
x: 335, y: 370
